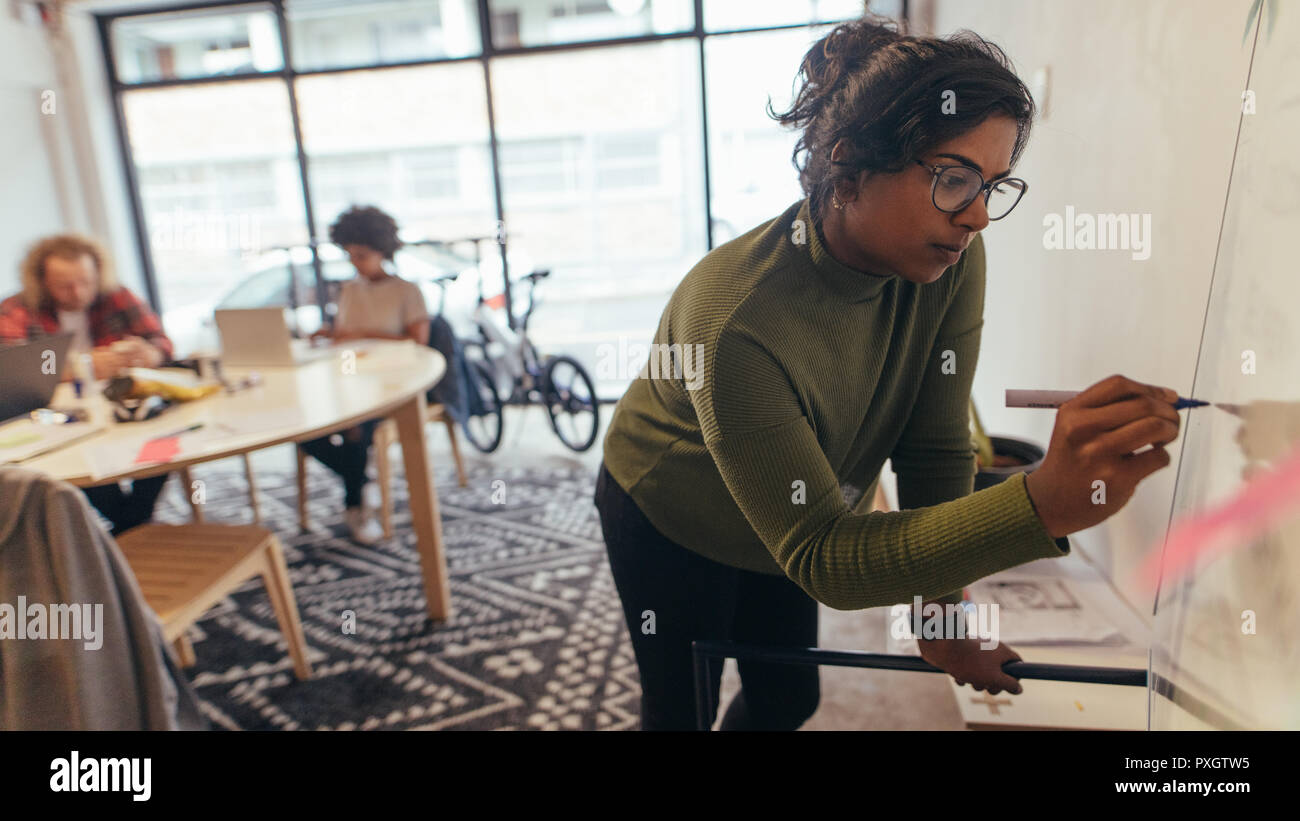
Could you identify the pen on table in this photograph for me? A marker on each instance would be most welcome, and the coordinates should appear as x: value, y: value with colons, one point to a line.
x: 1054, y: 399
x: 195, y: 426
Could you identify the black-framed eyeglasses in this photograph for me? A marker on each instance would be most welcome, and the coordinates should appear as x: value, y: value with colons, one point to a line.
x: 956, y: 186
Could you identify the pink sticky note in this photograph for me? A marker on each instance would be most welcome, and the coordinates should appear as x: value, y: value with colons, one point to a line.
x: 158, y: 450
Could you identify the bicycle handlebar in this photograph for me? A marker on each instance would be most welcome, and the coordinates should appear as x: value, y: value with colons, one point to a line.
x: 532, y: 278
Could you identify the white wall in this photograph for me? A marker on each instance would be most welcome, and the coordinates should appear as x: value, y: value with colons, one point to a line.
x: 61, y: 166
x: 1144, y: 106
x: 104, y: 178
x: 37, y: 163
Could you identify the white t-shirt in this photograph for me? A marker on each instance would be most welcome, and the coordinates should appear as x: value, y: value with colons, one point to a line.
x: 385, y: 307
x: 79, y: 324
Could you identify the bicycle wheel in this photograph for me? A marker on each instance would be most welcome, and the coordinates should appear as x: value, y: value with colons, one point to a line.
x: 570, y: 398
x: 483, y: 424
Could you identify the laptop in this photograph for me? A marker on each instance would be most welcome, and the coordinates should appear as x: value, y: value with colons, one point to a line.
x: 260, y: 336
x: 32, y: 371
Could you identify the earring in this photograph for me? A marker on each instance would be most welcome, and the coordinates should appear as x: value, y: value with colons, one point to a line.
x: 835, y: 201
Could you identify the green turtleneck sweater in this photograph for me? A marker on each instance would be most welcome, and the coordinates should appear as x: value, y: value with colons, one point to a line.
x: 779, y: 375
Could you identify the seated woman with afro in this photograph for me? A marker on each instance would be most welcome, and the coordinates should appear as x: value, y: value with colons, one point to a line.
x: 376, y: 304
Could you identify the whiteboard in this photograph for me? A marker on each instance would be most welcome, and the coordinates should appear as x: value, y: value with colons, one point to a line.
x: 1207, y: 670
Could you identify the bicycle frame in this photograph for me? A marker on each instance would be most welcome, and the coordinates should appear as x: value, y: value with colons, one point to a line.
x: 509, y: 349
x: 508, y: 353
x: 502, y: 345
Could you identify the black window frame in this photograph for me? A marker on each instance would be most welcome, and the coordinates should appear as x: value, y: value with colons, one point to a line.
x: 488, y: 52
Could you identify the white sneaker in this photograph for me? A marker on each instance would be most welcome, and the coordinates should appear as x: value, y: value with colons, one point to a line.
x: 364, y: 529
x: 370, y: 496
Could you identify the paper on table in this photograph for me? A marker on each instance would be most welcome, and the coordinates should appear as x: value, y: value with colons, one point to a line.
x: 122, y: 454
x: 244, y: 423
x: 113, y: 456
x: 1045, y: 611
x: 22, y: 438
x: 215, y: 431
x: 1042, y: 611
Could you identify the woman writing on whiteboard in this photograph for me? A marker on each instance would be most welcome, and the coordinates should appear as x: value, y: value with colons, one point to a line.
x: 842, y: 333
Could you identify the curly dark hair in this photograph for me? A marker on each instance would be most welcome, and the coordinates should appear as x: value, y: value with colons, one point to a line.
x: 369, y: 226
x: 883, y: 94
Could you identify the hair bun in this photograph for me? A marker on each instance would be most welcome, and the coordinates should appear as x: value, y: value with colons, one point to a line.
x: 875, y: 91
x: 848, y: 48
x: 826, y: 66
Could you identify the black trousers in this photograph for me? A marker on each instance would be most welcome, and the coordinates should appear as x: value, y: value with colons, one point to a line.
x: 689, y: 597
x: 347, y: 459
x: 126, y: 510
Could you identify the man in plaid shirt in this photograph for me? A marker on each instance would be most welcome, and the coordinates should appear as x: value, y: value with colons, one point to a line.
x: 68, y: 285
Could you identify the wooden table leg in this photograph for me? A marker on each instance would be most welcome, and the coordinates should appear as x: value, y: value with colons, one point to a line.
x: 187, y: 483
x: 425, y: 518
x: 184, y: 651
x: 251, y: 478
x: 301, y: 455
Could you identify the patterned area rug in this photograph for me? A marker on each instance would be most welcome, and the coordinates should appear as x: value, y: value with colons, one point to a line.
x: 537, y: 639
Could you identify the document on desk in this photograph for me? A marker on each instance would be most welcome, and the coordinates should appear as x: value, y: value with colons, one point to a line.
x: 22, y: 439
x: 1034, y: 610
x: 244, y: 423
x: 124, y: 453
x: 114, y: 455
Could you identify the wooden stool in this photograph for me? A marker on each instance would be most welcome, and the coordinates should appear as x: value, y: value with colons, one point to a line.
x: 183, y: 570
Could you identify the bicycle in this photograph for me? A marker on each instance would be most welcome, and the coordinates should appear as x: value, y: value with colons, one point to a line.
x: 503, y: 357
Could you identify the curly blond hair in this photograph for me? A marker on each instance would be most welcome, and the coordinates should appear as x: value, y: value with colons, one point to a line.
x: 64, y: 246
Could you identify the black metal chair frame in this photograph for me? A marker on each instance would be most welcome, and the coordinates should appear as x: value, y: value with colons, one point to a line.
x: 705, y: 653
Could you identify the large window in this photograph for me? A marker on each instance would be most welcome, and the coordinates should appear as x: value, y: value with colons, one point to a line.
x: 602, y: 179
x: 518, y: 23
x: 608, y: 174
x: 751, y: 174
x: 345, y: 33
x: 232, y: 40
x: 413, y: 141
x: 725, y: 15
x: 577, y: 126
x: 219, y: 186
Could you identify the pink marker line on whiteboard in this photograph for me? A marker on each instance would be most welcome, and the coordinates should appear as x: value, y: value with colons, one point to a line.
x: 1260, y: 504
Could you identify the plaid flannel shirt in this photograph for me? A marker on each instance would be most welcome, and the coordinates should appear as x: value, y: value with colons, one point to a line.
x: 111, y: 317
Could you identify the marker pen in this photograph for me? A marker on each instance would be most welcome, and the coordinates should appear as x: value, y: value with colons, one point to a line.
x: 83, y: 374
x: 195, y: 426
x: 1054, y: 399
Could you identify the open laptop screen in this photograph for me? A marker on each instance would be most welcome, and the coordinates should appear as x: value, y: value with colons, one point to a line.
x: 29, y: 373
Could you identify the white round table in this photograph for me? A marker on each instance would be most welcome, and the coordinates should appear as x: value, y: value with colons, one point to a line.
x: 372, y: 379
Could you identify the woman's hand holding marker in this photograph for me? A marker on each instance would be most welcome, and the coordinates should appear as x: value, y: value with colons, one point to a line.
x: 1094, y: 438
